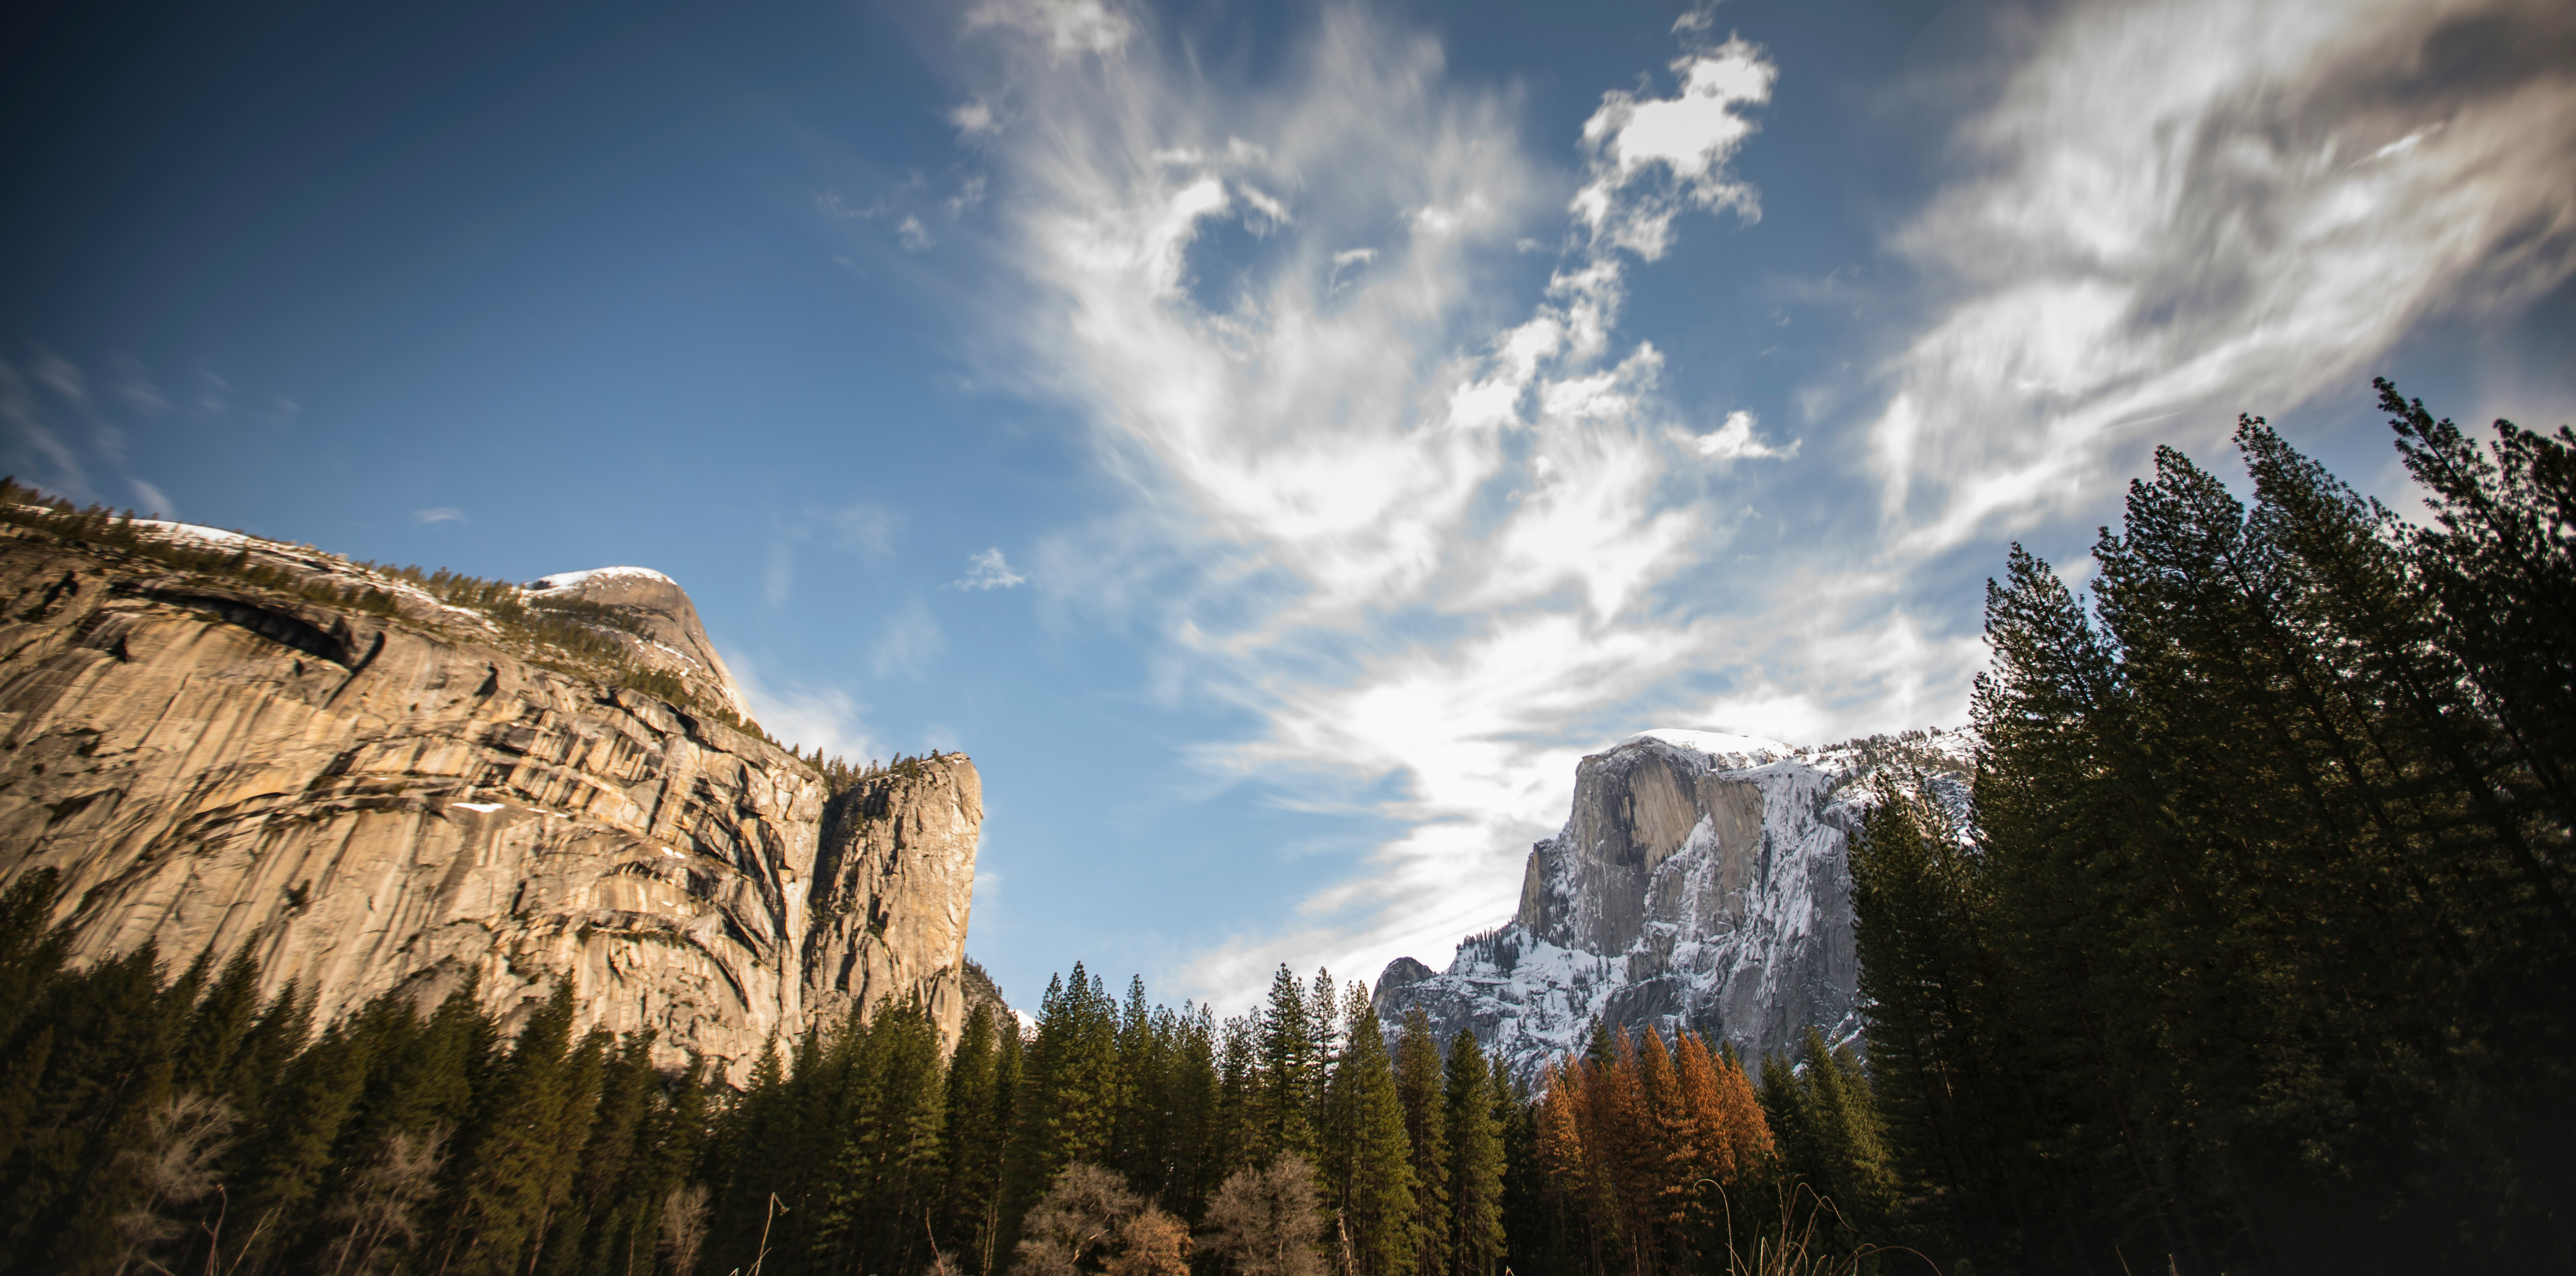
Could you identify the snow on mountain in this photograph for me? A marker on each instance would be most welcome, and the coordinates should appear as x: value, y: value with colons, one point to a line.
x: 1700, y: 882
x: 668, y: 634
x: 190, y: 532
x: 561, y: 582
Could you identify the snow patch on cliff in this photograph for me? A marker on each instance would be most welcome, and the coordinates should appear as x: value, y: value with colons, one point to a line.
x: 1750, y: 943
x: 561, y: 581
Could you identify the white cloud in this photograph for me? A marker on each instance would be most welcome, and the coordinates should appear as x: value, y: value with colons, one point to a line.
x: 987, y: 570
x: 1068, y: 27
x: 806, y: 716
x: 864, y: 528
x: 36, y: 449
x: 1676, y: 146
x: 2179, y: 211
x: 134, y: 386
x: 59, y: 375
x: 1735, y: 441
x: 151, y: 501
x: 1330, y: 461
x: 975, y: 118
x: 911, y: 235
x: 438, y: 514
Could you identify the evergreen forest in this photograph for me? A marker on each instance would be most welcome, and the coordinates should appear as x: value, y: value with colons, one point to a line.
x: 2255, y: 952
x: 2252, y: 951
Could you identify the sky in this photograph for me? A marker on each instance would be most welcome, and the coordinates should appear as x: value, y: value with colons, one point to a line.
x: 1276, y: 441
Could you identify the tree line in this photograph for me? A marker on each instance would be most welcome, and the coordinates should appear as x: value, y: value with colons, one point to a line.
x: 153, y: 1121
x: 2257, y: 952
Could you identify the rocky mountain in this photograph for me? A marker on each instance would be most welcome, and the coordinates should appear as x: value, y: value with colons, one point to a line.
x: 656, y: 623
x: 1700, y: 881
x: 894, y: 874
x: 372, y: 779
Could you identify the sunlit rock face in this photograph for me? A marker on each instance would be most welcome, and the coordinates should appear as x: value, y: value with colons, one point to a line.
x: 1700, y: 882
x: 893, y: 879
x: 665, y: 632
x: 420, y: 801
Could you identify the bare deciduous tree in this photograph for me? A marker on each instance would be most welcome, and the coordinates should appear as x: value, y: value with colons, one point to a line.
x: 183, y: 1139
x: 684, y: 1227
x: 1152, y: 1244
x: 378, y: 1211
x: 1079, y: 1219
x: 1266, y: 1222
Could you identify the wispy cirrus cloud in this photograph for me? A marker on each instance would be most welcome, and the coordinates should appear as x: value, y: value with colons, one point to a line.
x: 2176, y: 211
x: 907, y: 643
x: 151, y: 501
x: 1440, y: 538
x: 59, y: 421
x: 864, y: 530
x: 1416, y: 542
x: 805, y: 715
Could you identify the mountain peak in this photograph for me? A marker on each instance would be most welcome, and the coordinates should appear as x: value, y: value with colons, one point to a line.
x: 666, y: 622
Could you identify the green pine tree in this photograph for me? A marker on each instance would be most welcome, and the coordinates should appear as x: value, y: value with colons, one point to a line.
x: 1368, y: 1159
x: 1420, y: 1091
x: 1474, y: 1133
x: 1288, y: 1060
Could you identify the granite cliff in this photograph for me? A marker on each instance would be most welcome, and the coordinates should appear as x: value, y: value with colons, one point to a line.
x: 1700, y: 882
x: 894, y: 874
x: 230, y: 744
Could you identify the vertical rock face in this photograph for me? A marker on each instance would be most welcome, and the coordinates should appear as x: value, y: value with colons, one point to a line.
x: 409, y: 798
x: 893, y: 878
x: 1700, y: 882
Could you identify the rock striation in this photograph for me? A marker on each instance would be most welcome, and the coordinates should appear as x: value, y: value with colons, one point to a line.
x: 1700, y: 882
x: 405, y: 795
x: 892, y: 880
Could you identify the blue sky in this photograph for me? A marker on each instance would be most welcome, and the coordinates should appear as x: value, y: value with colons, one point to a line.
x: 1276, y: 441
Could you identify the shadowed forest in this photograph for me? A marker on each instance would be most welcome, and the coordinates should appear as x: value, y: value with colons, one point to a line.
x: 2254, y: 953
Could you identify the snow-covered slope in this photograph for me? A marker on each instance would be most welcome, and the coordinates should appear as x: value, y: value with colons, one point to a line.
x: 1700, y: 881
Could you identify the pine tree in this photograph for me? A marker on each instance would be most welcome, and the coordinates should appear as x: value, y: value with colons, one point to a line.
x: 1200, y: 1158
x: 107, y: 1068
x: 1324, y: 1023
x: 515, y: 1155
x: 1420, y: 1092
x: 1474, y: 1140
x: 610, y: 1191
x: 1533, y: 1228
x: 975, y: 1132
x: 1068, y: 1098
x: 742, y: 1162
x: 289, y: 1160
x: 2500, y: 564
x: 1367, y: 1157
x: 1928, y: 966
x: 1285, y: 1119
x: 31, y: 948
x: 1569, y: 1196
